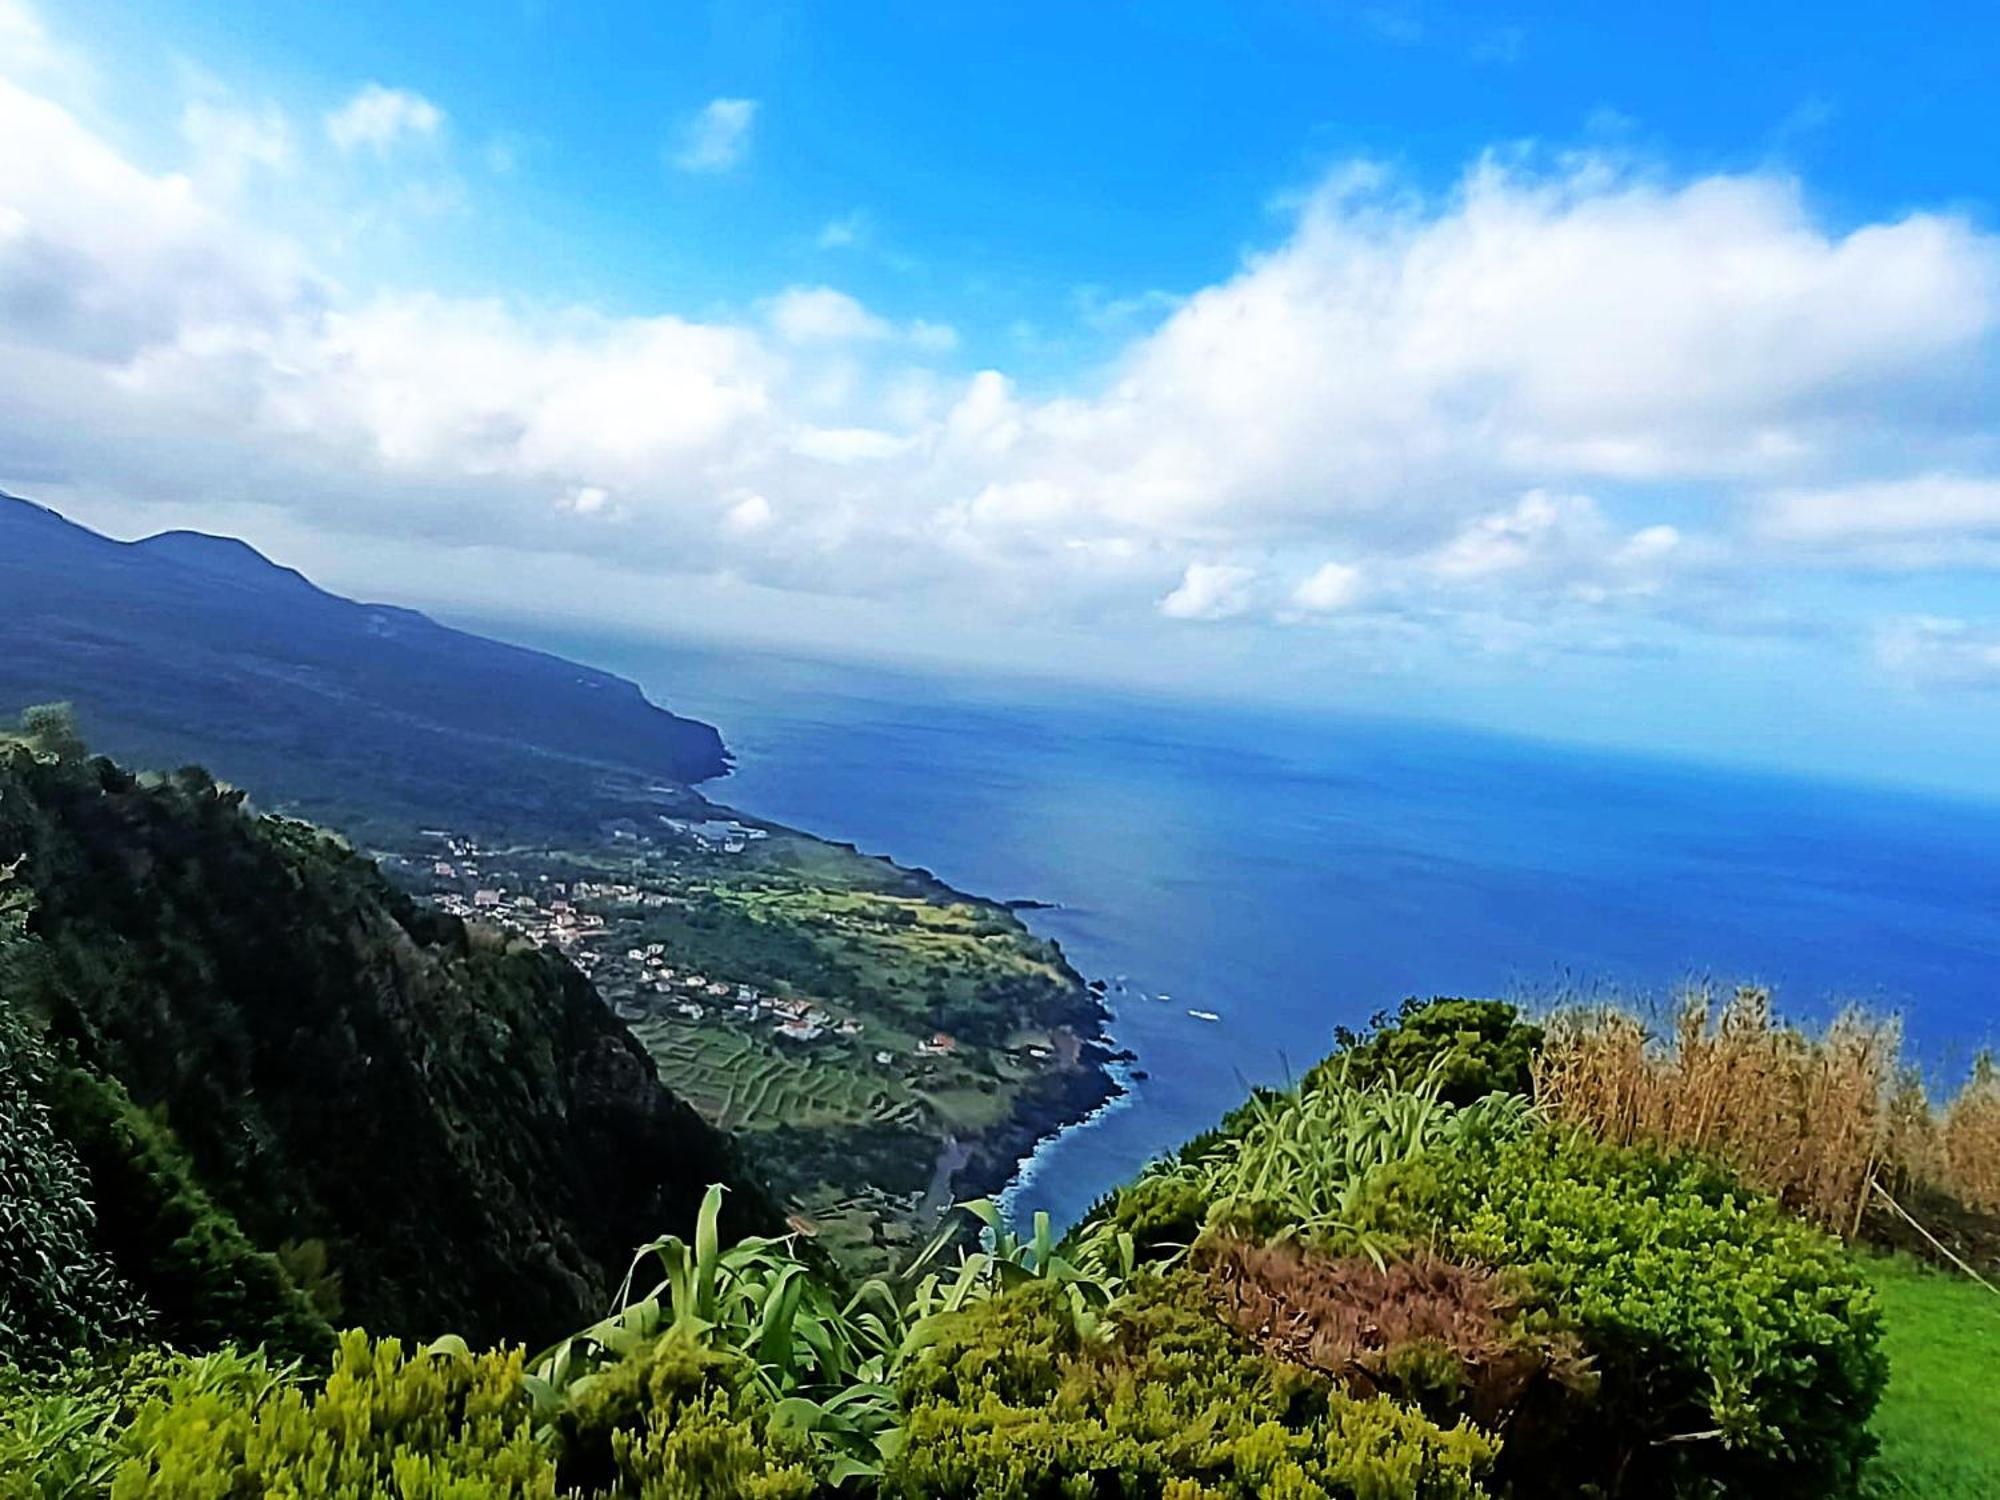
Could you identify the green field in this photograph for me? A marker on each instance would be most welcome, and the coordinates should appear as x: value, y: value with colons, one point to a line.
x: 1939, y: 1423
x: 742, y: 1083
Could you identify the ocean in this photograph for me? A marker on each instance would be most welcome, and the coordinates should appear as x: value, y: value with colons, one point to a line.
x: 1292, y: 872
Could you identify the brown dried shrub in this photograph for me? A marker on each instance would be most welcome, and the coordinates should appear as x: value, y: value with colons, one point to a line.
x: 1448, y: 1337
x: 1970, y: 1142
x: 1819, y: 1121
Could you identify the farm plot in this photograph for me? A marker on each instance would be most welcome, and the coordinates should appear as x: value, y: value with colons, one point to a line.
x: 742, y: 1083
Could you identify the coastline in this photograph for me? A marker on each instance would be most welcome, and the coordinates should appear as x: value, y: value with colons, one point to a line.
x: 1061, y: 1100
x: 1089, y: 1077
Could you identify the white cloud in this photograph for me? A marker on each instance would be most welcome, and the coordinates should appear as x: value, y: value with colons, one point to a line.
x: 583, y: 499
x: 840, y: 233
x: 1550, y: 543
x: 847, y: 445
x: 1393, y: 354
x: 750, y: 514
x: 231, y: 144
x: 1923, y: 506
x: 1210, y: 591
x: 379, y: 118
x: 26, y: 49
x: 1932, y: 651
x: 717, y: 138
x: 1329, y: 588
x: 821, y: 315
x: 1482, y: 406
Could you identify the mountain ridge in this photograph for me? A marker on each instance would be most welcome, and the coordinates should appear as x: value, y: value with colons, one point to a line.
x: 185, y: 647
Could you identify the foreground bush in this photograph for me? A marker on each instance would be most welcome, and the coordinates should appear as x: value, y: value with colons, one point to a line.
x: 1737, y: 1347
x: 1013, y: 1402
x: 427, y: 1425
x: 675, y: 1421
x: 1291, y: 1163
x: 1473, y: 1047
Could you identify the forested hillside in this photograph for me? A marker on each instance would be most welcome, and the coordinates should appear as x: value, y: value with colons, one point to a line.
x: 280, y: 1075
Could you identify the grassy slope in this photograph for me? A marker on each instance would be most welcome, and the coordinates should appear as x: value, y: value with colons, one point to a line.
x: 1939, y: 1423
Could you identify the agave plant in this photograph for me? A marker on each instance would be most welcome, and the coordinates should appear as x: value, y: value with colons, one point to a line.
x: 823, y: 1359
x: 1090, y: 1271
x: 1297, y: 1165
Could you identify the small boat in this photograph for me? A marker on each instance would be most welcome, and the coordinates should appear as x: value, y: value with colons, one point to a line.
x: 1204, y: 1015
x: 1165, y: 998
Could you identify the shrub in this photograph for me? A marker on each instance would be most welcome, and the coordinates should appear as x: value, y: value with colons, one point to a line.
x: 1447, y: 1338
x: 58, y: 1290
x: 59, y: 1433
x: 1969, y: 1139
x: 440, y: 1424
x: 1291, y: 1163
x: 1474, y: 1047
x: 1011, y: 1402
x: 675, y: 1421
x: 1737, y: 1346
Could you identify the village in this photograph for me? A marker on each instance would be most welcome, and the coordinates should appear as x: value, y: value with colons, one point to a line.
x: 597, y: 924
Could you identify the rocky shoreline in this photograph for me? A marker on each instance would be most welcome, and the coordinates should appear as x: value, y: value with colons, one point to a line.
x: 1082, y: 1083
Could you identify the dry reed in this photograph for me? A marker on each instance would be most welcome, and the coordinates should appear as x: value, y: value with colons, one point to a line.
x: 1814, y: 1119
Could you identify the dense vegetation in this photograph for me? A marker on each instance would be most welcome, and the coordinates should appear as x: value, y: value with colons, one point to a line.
x: 297, y: 1096
x: 1357, y: 1289
x: 1429, y: 1272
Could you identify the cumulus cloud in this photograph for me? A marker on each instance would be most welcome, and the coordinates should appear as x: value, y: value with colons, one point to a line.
x: 717, y: 138
x: 231, y: 144
x: 1561, y: 540
x: 583, y: 499
x: 1473, y: 404
x: 1924, y: 506
x: 821, y: 315
x: 838, y: 234
x: 1330, y: 587
x: 1210, y: 591
x: 379, y: 118
x: 1395, y: 355
x: 1932, y: 651
x: 749, y: 514
x: 27, y: 48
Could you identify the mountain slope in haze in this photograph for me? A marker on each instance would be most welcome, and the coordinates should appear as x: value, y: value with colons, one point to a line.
x: 446, y: 1125
x: 192, y: 648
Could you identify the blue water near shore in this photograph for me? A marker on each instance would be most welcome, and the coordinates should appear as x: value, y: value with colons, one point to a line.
x: 1295, y: 872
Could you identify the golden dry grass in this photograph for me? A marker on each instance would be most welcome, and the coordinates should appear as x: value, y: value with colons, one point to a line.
x: 1816, y: 1120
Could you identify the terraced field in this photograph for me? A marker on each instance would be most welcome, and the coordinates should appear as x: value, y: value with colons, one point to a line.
x: 743, y: 1083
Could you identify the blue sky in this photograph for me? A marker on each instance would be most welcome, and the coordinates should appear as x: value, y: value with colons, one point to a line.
x: 1007, y: 161
x: 1623, y: 374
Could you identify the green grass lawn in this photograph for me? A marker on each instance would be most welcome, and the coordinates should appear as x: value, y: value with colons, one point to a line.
x: 1939, y: 1422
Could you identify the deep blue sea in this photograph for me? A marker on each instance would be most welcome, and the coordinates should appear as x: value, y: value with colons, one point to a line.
x: 1294, y: 872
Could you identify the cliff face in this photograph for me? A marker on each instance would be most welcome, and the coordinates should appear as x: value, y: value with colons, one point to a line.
x: 472, y: 1140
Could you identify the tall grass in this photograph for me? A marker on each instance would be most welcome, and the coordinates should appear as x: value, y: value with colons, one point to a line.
x: 1969, y: 1139
x: 1296, y: 1164
x: 1818, y: 1120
